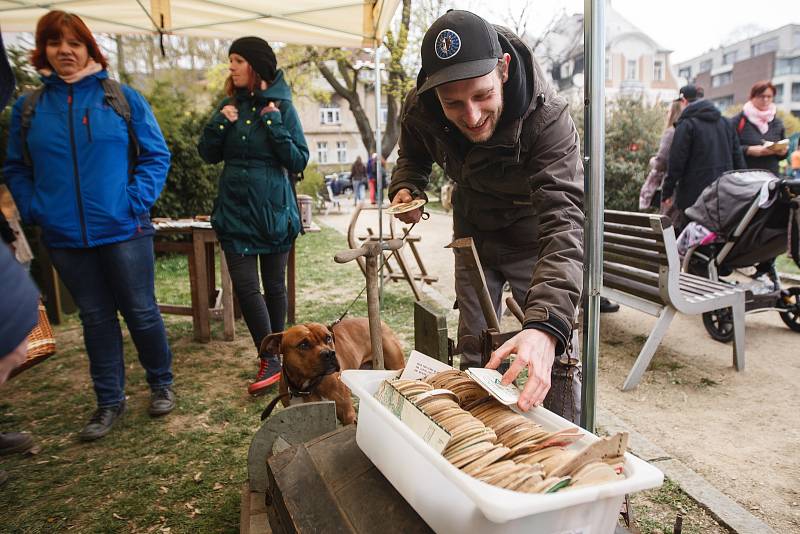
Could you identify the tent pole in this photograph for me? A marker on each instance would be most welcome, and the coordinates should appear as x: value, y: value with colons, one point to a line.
x: 594, y: 164
x: 378, y: 181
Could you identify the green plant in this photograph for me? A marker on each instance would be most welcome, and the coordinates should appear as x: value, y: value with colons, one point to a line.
x: 313, y: 181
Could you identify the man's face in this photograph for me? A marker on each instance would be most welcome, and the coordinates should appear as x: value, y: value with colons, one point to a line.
x: 474, y: 106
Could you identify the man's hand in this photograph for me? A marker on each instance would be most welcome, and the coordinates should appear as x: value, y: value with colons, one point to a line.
x: 536, y: 350
x: 409, y: 217
x: 758, y: 151
x: 13, y: 359
x: 667, y: 202
x: 230, y: 112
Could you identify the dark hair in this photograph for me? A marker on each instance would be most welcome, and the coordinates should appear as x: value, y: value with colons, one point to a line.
x: 760, y: 87
x: 52, y: 26
x: 253, y: 84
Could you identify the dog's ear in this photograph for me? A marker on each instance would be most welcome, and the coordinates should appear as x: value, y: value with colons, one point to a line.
x: 272, y: 344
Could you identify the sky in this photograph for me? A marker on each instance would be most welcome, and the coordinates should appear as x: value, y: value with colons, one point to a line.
x: 687, y: 27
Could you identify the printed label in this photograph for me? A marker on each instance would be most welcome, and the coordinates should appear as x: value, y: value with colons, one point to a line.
x: 414, y: 418
x: 489, y: 379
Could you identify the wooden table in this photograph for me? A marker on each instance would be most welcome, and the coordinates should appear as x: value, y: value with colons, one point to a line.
x: 207, y: 300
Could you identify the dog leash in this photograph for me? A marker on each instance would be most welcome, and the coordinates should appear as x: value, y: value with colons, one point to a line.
x: 294, y: 391
x: 384, y: 259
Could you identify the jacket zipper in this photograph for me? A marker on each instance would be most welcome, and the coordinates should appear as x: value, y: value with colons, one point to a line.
x: 88, y: 125
x: 75, y: 168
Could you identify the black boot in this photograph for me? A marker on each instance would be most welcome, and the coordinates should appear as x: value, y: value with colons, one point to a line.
x: 11, y: 442
x: 101, y: 422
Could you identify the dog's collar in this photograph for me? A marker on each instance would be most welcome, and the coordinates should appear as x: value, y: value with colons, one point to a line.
x: 295, y: 390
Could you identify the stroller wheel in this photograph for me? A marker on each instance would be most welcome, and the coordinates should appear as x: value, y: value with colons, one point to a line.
x: 719, y: 324
x: 791, y: 301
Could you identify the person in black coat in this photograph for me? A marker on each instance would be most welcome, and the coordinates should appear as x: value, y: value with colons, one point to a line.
x: 758, y: 124
x: 704, y: 147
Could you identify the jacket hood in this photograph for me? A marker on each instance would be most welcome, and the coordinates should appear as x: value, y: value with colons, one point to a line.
x: 278, y: 89
x: 703, y: 110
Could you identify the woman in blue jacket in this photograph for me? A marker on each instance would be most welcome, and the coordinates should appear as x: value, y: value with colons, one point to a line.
x: 73, y: 173
x: 257, y: 133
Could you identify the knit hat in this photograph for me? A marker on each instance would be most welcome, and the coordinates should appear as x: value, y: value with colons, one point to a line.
x: 259, y: 54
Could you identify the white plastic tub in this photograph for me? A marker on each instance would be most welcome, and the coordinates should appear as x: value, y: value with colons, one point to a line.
x: 451, y: 501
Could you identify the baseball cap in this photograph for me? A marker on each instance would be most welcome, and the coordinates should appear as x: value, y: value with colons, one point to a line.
x: 689, y: 92
x: 459, y: 45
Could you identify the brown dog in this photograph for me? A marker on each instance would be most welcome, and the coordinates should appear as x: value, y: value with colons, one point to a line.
x: 312, y: 365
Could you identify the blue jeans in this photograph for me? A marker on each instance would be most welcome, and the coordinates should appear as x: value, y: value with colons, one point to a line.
x: 104, y: 280
x: 360, y: 188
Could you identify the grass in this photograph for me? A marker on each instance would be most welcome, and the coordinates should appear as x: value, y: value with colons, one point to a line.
x: 785, y: 264
x: 183, y: 473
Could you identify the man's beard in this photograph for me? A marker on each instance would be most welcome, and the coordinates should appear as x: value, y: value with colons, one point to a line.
x: 494, y: 117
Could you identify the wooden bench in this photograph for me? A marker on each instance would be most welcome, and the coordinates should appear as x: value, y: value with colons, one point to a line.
x: 641, y: 269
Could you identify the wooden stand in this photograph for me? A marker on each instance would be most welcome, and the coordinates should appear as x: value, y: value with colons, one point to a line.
x: 207, y: 301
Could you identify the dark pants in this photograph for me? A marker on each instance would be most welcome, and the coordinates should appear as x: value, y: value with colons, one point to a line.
x: 264, y: 313
x: 104, y: 280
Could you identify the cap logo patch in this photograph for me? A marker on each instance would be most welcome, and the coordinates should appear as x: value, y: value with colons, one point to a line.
x: 448, y: 43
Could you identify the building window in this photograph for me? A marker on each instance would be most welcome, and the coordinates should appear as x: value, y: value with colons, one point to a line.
x: 686, y: 73
x: 723, y: 103
x: 729, y: 58
x: 787, y: 65
x: 796, y: 92
x: 796, y: 40
x: 329, y: 115
x: 721, y: 79
x: 322, y: 151
x: 630, y: 70
x: 384, y: 114
x: 658, y: 71
x: 609, y: 71
x: 763, y: 47
x: 341, y: 151
x: 706, y: 65
x: 566, y: 70
x: 778, y: 94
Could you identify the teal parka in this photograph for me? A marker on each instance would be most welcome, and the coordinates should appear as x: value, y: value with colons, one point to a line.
x: 255, y: 211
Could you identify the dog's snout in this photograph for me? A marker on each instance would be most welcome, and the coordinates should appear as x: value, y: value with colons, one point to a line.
x: 329, y: 355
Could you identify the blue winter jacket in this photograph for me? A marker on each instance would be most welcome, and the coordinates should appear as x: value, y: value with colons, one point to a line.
x: 79, y: 189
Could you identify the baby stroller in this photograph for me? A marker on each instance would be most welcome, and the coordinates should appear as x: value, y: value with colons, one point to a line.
x: 746, y: 218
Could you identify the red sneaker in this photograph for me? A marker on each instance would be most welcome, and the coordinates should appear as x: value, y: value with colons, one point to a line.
x: 269, y: 372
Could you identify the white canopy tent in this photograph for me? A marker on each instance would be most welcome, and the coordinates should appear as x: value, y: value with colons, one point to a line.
x: 355, y: 23
x: 342, y: 23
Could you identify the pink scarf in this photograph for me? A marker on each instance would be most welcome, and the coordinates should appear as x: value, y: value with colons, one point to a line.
x: 761, y: 119
x: 91, y: 67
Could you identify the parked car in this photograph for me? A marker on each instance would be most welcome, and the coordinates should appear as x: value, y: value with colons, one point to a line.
x: 340, y: 183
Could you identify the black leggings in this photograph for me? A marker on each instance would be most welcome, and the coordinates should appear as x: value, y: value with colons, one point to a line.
x: 264, y: 313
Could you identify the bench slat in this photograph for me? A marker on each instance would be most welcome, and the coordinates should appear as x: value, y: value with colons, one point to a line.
x: 626, y: 271
x: 624, y: 229
x: 638, y: 289
x: 634, y: 253
x: 624, y: 259
x: 635, y: 219
x: 636, y: 242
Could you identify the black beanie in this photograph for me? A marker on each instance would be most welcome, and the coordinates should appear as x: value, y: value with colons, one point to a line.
x: 259, y: 54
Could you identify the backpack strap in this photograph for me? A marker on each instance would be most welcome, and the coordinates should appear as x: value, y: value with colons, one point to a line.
x: 115, y: 98
x: 28, y: 110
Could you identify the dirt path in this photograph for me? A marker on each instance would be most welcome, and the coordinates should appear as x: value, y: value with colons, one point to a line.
x: 741, y: 431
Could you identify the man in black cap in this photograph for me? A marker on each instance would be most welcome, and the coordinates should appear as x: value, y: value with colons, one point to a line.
x: 484, y: 112
x: 704, y: 146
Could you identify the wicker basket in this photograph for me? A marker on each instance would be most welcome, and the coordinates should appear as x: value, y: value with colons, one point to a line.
x: 41, y: 342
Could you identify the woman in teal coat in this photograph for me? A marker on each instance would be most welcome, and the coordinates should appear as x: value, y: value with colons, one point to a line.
x: 257, y: 133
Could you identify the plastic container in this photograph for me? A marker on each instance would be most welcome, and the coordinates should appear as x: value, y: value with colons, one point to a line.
x: 452, y: 502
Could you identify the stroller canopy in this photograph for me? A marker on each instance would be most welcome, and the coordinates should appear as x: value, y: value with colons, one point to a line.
x: 722, y: 204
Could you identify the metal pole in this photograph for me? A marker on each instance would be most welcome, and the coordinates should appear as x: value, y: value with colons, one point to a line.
x: 594, y: 165
x: 378, y: 181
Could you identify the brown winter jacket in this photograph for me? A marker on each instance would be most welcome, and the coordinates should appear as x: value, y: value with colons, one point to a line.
x: 518, y: 194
